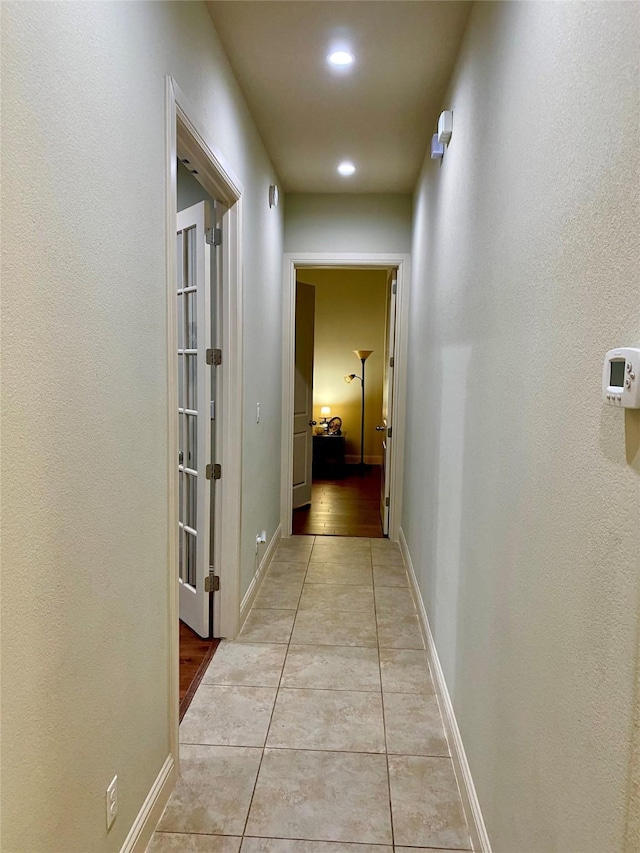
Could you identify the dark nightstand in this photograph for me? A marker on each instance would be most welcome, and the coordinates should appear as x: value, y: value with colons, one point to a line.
x: 328, y: 455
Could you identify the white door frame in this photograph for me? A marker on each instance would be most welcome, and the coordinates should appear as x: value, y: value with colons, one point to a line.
x: 185, y: 137
x: 293, y: 260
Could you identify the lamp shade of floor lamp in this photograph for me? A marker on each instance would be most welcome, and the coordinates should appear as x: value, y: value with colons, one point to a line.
x: 363, y: 355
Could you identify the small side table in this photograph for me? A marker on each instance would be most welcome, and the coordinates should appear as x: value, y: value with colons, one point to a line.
x: 328, y: 455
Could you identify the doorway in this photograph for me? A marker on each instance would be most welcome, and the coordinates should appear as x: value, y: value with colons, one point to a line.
x: 199, y: 263
x: 204, y: 380
x: 379, y: 480
x: 198, y: 245
x: 340, y: 356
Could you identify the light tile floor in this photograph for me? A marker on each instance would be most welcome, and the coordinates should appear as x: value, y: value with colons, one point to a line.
x: 318, y: 730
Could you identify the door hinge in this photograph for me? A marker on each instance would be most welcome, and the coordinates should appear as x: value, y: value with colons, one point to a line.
x: 214, y: 236
x: 392, y: 361
x: 389, y: 431
x: 212, y: 582
x: 394, y: 287
x: 214, y: 356
x: 386, y: 501
x: 213, y: 471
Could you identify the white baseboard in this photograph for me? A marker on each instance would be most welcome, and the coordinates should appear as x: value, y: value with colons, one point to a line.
x: 145, y: 823
x: 254, y: 586
x: 477, y: 829
x: 352, y: 459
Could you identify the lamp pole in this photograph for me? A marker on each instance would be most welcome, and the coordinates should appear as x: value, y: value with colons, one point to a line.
x: 362, y: 422
x: 363, y: 355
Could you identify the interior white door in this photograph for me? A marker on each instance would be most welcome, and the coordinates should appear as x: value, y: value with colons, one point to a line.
x: 387, y: 403
x: 303, y: 395
x: 194, y: 339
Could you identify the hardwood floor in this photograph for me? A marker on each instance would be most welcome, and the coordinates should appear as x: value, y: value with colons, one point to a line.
x: 195, y: 654
x: 349, y: 506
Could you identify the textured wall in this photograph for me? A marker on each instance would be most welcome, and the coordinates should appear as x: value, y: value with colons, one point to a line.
x: 522, y: 490
x: 347, y: 223
x: 84, y: 556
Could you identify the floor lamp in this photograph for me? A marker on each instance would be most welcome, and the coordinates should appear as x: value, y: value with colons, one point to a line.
x: 363, y: 355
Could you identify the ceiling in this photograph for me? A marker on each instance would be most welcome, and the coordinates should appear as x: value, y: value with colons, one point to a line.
x: 380, y: 114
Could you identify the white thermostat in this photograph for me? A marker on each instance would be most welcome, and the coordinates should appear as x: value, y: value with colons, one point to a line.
x: 621, y: 377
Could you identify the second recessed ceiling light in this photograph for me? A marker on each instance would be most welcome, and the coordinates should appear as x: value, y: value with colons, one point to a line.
x: 346, y: 168
x: 340, y: 58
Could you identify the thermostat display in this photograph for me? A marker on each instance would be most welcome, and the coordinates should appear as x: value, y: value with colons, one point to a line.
x: 617, y: 374
x: 620, y: 377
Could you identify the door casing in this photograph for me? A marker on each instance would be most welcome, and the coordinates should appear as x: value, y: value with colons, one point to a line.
x: 355, y: 260
x: 388, y: 376
x: 303, y: 420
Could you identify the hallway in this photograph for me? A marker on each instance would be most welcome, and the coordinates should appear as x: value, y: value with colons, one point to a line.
x: 320, y: 723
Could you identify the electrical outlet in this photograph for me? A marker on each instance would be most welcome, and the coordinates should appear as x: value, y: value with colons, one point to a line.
x: 261, y: 538
x: 112, y: 801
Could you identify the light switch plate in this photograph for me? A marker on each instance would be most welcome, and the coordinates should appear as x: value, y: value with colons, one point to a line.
x: 112, y: 801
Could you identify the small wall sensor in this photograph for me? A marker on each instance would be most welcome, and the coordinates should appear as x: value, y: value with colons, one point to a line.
x: 445, y: 126
x: 273, y: 195
x: 437, y: 148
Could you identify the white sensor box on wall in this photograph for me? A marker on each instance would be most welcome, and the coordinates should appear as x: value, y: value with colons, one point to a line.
x: 437, y: 148
x: 445, y: 126
x: 621, y: 377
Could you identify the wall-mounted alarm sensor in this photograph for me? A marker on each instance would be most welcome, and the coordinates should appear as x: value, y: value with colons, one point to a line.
x: 273, y: 195
x: 437, y: 148
x: 445, y: 126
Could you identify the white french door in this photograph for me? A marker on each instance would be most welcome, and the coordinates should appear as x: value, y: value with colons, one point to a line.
x: 194, y: 282
x: 387, y: 403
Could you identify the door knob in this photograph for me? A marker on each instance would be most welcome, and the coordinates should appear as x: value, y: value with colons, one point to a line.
x: 313, y: 423
x: 380, y: 429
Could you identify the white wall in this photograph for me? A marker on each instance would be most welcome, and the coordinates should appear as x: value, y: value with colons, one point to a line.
x: 522, y: 490
x: 347, y: 223
x: 84, y: 593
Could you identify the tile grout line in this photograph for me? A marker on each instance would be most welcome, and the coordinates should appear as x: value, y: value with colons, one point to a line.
x: 266, y: 737
x: 315, y: 749
x: 311, y: 840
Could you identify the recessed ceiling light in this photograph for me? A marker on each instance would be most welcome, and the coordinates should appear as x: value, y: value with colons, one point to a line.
x: 340, y: 57
x: 346, y: 168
